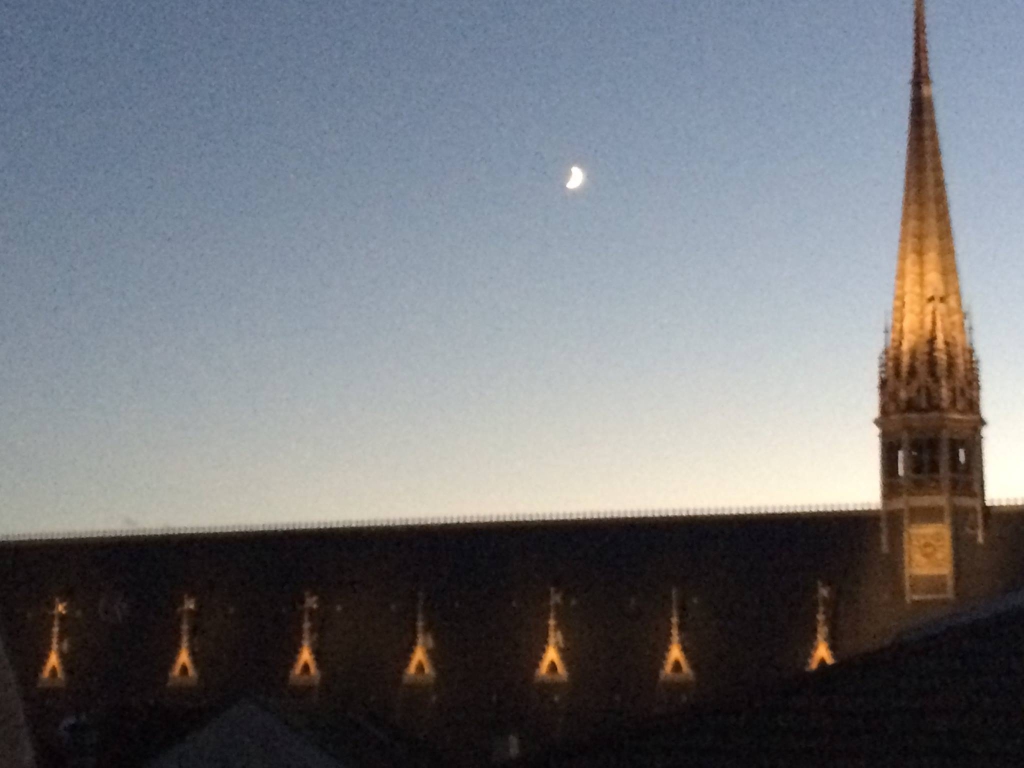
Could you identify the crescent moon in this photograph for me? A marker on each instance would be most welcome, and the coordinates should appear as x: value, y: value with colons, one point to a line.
x: 576, y: 177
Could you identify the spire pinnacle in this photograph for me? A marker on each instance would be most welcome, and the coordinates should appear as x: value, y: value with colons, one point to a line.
x: 920, y: 44
x: 929, y: 363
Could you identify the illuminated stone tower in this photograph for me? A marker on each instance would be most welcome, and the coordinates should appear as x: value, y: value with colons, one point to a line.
x: 929, y: 414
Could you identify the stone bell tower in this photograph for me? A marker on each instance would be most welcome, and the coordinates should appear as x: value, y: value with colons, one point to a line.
x: 929, y: 416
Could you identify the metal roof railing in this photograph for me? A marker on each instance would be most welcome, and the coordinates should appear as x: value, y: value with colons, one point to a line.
x: 816, y: 510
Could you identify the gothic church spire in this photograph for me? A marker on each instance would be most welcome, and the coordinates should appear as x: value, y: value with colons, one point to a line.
x: 929, y: 364
x: 929, y: 417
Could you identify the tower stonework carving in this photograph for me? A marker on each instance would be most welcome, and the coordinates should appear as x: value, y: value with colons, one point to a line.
x: 929, y: 418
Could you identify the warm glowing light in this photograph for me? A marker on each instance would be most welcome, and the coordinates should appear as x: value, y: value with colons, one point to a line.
x: 821, y: 653
x: 52, y: 675
x: 419, y: 670
x: 929, y: 550
x: 676, y: 668
x: 928, y: 554
x: 551, y: 668
x: 576, y: 178
x: 304, y: 671
x: 183, y: 671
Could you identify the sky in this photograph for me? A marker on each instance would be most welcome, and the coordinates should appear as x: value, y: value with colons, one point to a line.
x: 267, y: 262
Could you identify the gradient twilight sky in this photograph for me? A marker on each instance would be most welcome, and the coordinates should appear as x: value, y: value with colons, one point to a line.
x: 267, y: 261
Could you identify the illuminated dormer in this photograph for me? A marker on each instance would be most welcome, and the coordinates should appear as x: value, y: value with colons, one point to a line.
x: 305, y: 672
x: 552, y: 668
x: 675, y: 669
x: 821, y: 653
x: 52, y: 675
x: 183, y: 672
x: 420, y: 670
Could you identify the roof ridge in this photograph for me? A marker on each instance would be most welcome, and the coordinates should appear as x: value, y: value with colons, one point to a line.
x: 439, y: 521
x: 442, y: 521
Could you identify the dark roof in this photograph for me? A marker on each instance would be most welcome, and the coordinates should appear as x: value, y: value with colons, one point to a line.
x: 249, y: 734
x: 246, y: 735
x: 948, y: 694
x: 15, y: 741
x: 239, y: 733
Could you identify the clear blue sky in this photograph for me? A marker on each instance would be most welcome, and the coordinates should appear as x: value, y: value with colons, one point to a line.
x: 267, y: 261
